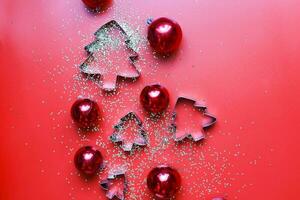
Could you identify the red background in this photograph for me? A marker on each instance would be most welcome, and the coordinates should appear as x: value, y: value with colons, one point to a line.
x: 242, y: 57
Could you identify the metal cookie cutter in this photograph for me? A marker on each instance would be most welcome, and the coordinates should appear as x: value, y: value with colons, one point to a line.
x: 113, y: 191
x: 118, y: 137
x: 102, y: 38
x: 179, y: 135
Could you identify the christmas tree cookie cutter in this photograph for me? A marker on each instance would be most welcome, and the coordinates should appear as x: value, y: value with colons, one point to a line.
x: 102, y: 38
x: 200, y: 106
x: 115, y: 192
x: 118, y: 137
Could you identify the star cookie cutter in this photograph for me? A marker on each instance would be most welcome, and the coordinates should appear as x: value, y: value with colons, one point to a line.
x: 118, y: 137
x: 195, y: 136
x: 96, y: 46
x: 111, y: 191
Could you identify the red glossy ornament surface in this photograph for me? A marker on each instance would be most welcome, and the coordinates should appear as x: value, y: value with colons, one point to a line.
x: 97, y: 4
x: 164, y: 35
x: 154, y: 98
x: 88, y: 160
x: 164, y: 182
x: 85, y: 113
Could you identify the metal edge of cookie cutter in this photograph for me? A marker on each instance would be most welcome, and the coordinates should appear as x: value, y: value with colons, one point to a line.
x: 198, y: 105
x: 115, y: 138
x: 111, y: 24
x: 105, y: 184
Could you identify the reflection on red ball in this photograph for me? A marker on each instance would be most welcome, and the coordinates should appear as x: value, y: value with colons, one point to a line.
x: 85, y: 113
x: 164, y: 181
x: 164, y: 35
x: 97, y: 4
x: 88, y: 160
x: 154, y: 98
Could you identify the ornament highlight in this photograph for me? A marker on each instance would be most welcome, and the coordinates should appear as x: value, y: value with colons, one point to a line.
x: 85, y: 113
x: 164, y: 181
x: 164, y: 35
x: 88, y: 160
x: 154, y: 98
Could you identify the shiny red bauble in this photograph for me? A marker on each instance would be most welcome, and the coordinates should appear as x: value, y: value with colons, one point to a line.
x: 164, y: 181
x: 88, y: 160
x: 85, y: 113
x: 97, y: 4
x: 154, y: 98
x: 164, y: 35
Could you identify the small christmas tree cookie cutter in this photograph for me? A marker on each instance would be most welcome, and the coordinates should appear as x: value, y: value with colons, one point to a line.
x: 196, y: 136
x: 117, y: 136
x: 112, y: 193
x: 91, y: 50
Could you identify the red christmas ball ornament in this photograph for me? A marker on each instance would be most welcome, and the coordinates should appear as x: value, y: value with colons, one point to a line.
x: 164, y: 181
x: 88, y: 160
x: 97, y: 4
x: 154, y: 98
x: 164, y: 35
x: 85, y: 113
